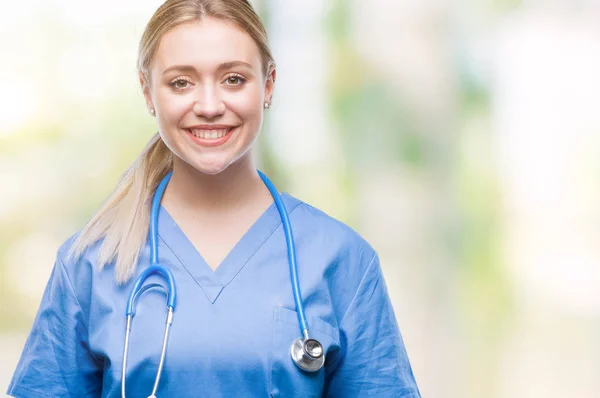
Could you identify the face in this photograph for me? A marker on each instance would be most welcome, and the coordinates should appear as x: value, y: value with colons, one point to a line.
x: 208, y: 90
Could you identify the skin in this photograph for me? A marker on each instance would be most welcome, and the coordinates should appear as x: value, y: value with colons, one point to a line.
x: 216, y: 187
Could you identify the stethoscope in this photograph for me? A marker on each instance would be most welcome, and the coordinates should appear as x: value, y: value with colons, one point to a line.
x: 307, y: 353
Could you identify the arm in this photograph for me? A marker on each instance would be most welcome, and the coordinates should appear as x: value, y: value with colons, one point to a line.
x: 56, y: 360
x: 373, y: 360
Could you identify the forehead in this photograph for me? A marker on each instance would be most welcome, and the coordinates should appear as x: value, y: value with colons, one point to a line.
x: 205, y: 44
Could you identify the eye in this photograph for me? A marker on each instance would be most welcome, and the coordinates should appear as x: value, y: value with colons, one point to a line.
x: 179, y: 83
x: 235, y: 80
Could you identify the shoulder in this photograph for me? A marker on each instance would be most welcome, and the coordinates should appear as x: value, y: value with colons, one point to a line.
x: 67, y: 250
x: 330, y: 234
x: 79, y: 266
x: 332, y: 252
x: 79, y: 272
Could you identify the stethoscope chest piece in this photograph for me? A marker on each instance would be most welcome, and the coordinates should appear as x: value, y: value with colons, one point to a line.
x: 308, y: 354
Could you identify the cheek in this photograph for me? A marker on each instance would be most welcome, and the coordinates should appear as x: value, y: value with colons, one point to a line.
x: 172, y: 110
x: 248, y: 107
x: 174, y: 107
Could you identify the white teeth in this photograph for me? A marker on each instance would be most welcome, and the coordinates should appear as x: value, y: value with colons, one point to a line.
x: 212, y: 134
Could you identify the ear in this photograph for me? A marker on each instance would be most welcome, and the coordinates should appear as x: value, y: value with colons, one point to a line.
x: 146, y: 90
x: 270, y: 83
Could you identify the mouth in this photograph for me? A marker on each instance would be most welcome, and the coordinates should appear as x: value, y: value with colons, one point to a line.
x: 210, y: 136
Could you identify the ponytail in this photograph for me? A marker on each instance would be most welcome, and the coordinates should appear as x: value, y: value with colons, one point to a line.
x: 123, y: 221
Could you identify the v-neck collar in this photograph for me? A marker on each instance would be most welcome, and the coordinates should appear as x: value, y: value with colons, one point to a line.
x: 213, y: 282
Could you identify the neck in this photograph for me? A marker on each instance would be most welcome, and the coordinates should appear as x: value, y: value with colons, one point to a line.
x: 197, y: 192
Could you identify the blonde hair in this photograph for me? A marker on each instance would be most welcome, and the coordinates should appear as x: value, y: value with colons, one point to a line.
x: 122, y: 222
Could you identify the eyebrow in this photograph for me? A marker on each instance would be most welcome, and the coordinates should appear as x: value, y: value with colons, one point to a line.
x: 224, y: 65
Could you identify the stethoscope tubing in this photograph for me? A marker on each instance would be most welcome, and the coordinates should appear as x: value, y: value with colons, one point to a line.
x: 160, y: 190
x: 291, y: 252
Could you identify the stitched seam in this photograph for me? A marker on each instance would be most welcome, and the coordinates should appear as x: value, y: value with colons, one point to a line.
x: 233, y: 277
x: 26, y: 349
x: 85, y: 321
x: 372, y: 261
x: 272, y: 356
x: 60, y: 261
x: 183, y: 265
x: 18, y: 389
x: 261, y: 245
x: 318, y: 329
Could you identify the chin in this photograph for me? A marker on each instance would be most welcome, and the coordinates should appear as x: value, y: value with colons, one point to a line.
x: 210, y: 168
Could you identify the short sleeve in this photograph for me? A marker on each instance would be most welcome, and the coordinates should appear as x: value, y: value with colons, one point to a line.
x: 56, y: 360
x: 373, y: 360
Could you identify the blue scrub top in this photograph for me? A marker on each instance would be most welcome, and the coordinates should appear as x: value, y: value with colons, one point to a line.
x: 232, y: 327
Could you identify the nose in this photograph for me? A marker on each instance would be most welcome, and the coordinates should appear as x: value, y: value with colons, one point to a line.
x: 209, y: 102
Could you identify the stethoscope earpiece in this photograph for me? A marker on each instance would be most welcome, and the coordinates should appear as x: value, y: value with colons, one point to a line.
x: 308, y: 354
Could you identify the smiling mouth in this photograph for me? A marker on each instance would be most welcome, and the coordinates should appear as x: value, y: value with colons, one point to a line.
x: 212, y: 136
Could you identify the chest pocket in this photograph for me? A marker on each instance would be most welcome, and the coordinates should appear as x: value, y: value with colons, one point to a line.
x: 287, y: 379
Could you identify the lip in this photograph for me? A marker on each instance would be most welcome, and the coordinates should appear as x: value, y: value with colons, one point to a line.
x: 209, y: 142
x: 211, y: 126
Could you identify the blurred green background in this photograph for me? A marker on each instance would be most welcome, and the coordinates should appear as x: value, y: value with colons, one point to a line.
x: 460, y: 138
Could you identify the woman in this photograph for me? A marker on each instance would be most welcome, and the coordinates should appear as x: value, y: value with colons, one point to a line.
x: 207, y: 75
